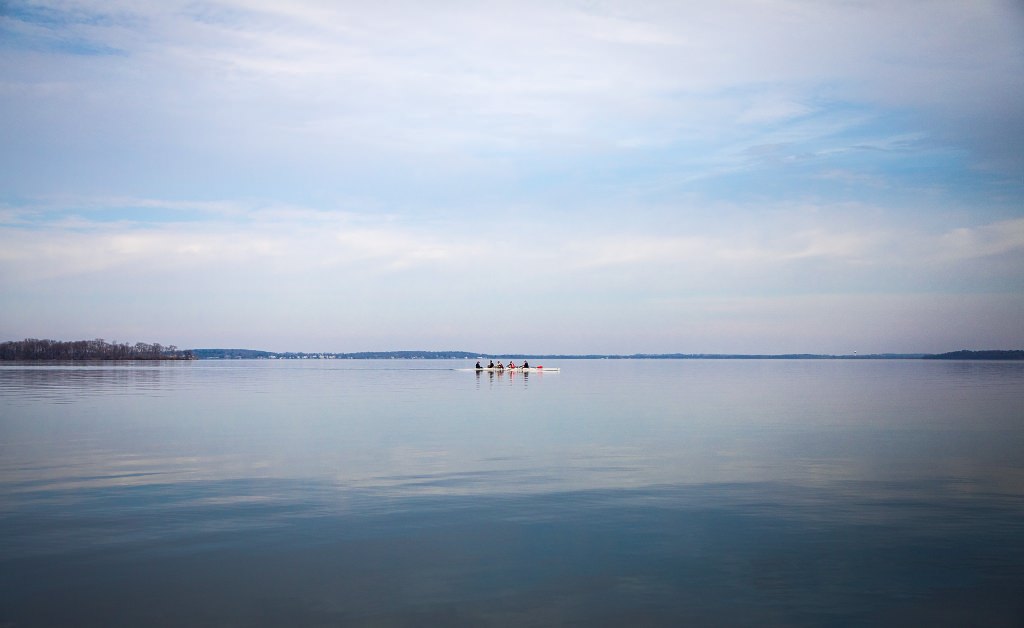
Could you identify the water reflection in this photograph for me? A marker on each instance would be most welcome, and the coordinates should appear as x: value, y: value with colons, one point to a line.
x: 612, y: 493
x: 721, y: 554
x: 70, y: 383
x: 509, y: 377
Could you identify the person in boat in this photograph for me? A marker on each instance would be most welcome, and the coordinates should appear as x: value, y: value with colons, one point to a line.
x: 511, y: 364
x: 526, y: 364
x: 499, y: 366
x: 490, y: 364
x: 478, y: 367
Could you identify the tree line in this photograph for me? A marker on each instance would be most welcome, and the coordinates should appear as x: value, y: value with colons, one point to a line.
x: 98, y: 349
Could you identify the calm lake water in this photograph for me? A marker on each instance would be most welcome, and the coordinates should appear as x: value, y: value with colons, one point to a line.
x: 411, y: 493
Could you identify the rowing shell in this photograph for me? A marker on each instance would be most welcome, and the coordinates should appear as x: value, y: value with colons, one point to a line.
x: 518, y: 369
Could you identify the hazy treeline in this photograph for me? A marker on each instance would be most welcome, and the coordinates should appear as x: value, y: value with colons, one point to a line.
x: 99, y: 349
x: 992, y: 354
x: 254, y: 354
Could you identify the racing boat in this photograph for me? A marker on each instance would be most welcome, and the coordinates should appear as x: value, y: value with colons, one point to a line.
x: 518, y: 369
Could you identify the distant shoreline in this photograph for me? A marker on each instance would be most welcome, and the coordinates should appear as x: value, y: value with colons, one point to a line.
x: 100, y: 350
x: 38, y: 350
x: 252, y: 354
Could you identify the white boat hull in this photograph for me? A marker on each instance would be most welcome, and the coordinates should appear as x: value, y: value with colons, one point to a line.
x: 532, y: 369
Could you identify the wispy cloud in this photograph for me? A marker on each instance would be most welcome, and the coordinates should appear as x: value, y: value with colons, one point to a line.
x: 550, y: 71
x: 296, y: 239
x: 622, y: 154
x: 995, y: 239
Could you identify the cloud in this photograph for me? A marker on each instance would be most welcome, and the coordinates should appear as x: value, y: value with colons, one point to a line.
x: 968, y: 243
x: 734, y: 251
x: 623, y: 154
x: 276, y: 239
x: 287, y: 240
x: 542, y: 74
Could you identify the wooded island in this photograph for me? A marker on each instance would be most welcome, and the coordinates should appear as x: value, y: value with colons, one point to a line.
x: 99, y: 349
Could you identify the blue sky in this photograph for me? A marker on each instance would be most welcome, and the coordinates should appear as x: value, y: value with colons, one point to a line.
x: 755, y: 176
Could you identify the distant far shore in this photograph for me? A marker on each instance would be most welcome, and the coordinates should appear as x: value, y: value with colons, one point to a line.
x: 56, y: 350
x: 34, y: 349
x: 252, y: 354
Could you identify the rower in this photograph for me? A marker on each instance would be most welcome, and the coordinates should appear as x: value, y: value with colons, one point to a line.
x: 490, y: 364
x: 478, y: 367
x: 511, y: 364
x: 526, y: 364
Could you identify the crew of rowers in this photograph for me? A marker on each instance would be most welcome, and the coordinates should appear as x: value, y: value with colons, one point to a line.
x: 499, y: 366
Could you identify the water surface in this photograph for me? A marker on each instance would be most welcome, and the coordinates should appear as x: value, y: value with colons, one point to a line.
x: 615, y: 492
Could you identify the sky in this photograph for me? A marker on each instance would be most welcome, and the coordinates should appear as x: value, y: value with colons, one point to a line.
x: 591, y: 176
